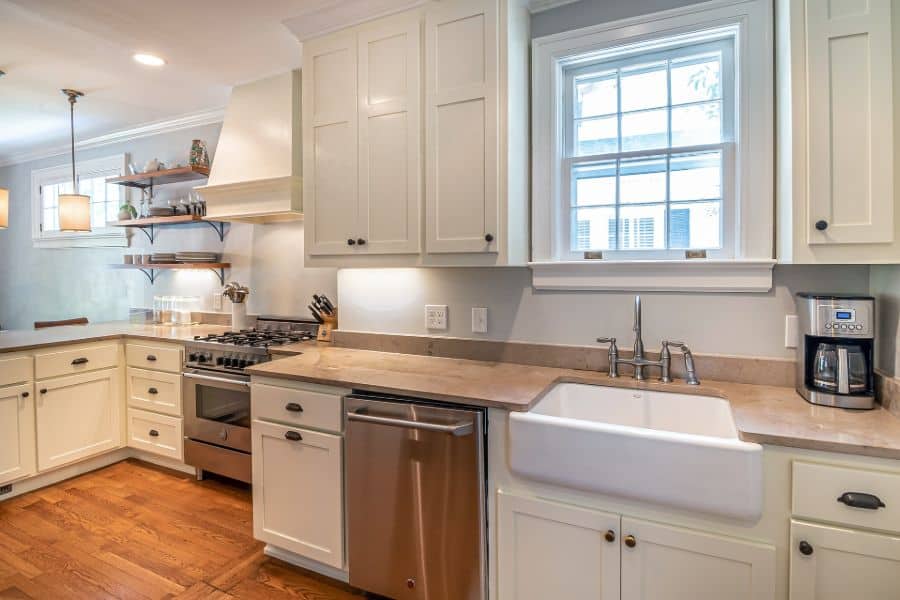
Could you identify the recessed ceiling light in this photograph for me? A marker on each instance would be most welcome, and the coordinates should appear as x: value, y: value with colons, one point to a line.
x: 150, y: 60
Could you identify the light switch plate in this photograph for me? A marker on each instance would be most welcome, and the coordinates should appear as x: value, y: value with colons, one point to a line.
x: 790, y: 331
x: 217, y: 301
x: 479, y: 320
x: 436, y: 316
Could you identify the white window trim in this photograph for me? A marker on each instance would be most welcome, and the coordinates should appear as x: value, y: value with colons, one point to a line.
x: 753, y: 236
x: 114, y: 237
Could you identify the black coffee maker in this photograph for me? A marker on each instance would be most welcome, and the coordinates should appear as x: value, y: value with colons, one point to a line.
x: 835, y: 355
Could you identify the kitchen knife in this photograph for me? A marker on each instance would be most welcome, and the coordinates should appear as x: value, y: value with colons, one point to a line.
x: 315, y: 314
x: 321, y: 306
x: 327, y: 303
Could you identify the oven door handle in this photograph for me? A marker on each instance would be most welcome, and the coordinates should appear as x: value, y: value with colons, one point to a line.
x: 216, y: 379
x: 456, y: 429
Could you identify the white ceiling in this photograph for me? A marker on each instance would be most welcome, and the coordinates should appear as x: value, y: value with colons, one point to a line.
x: 210, y: 45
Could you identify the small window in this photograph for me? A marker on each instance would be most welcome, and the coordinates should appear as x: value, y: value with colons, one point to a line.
x: 106, y: 199
x: 647, y: 150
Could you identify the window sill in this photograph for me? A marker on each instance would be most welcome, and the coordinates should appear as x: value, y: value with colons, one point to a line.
x: 79, y: 240
x: 742, y: 275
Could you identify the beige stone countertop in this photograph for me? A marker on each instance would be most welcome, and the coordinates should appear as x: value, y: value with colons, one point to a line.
x: 30, y: 339
x: 763, y: 414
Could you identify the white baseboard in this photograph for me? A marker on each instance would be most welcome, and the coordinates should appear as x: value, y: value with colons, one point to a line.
x: 305, y: 563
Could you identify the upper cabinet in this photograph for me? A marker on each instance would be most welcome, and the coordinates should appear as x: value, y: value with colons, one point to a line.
x: 836, y: 132
x: 415, y: 137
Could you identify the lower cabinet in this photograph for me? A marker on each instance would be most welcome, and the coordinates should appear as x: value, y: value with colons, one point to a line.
x: 159, y: 434
x: 548, y: 550
x: 833, y: 563
x: 78, y: 416
x: 17, y: 452
x: 298, y: 491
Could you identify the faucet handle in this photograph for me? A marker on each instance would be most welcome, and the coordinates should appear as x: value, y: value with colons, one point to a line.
x: 607, y: 340
x: 681, y: 345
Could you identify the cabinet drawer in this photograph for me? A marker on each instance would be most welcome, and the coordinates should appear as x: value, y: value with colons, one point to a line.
x: 154, y: 391
x: 817, y: 489
x: 19, y: 369
x: 159, y: 434
x: 300, y: 407
x: 156, y: 357
x: 69, y: 360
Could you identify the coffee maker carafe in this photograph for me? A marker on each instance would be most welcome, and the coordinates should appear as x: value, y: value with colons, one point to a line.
x: 835, y: 352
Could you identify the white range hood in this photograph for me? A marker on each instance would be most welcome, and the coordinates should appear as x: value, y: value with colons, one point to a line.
x: 256, y: 173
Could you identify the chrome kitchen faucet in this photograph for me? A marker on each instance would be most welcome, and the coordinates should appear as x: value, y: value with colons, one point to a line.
x: 640, y: 362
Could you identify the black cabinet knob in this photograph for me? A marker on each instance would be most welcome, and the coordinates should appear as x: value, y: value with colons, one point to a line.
x: 351, y: 242
x: 153, y: 391
x: 293, y: 436
x: 821, y: 225
x: 293, y: 407
x: 154, y: 433
x: 151, y: 358
x: 43, y: 390
x: 805, y: 548
x: 25, y: 394
x: 80, y: 361
x: 610, y: 536
x: 489, y: 237
x: 361, y: 241
x: 861, y: 500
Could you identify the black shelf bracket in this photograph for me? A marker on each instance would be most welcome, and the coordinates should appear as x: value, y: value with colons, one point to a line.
x: 151, y: 274
x: 218, y: 227
x: 220, y: 273
x: 151, y: 234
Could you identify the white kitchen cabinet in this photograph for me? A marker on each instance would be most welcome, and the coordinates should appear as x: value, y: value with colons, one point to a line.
x: 660, y: 562
x: 154, y: 391
x: 17, y: 449
x: 836, y: 159
x: 551, y: 550
x: 155, y: 433
x: 832, y: 563
x: 78, y: 416
x: 298, y: 491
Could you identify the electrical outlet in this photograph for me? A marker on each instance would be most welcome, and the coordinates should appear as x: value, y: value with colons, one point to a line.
x: 436, y: 316
x: 479, y: 320
x: 790, y: 331
x: 217, y: 301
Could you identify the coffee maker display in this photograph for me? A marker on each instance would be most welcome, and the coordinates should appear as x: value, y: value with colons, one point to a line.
x: 836, y: 350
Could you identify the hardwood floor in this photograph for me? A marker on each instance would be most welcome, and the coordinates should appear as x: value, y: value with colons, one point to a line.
x: 134, y: 530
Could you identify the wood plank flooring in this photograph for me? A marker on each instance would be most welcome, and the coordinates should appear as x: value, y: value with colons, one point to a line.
x: 134, y: 530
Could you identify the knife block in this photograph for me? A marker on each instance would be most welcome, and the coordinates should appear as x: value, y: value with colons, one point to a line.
x: 327, y: 327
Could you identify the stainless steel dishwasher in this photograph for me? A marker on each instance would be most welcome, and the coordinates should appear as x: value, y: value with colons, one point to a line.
x: 416, y: 498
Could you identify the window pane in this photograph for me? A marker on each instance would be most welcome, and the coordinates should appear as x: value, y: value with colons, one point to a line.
x: 695, y: 225
x: 643, y: 180
x: 98, y: 214
x: 696, y: 124
x: 644, y: 86
x: 49, y: 220
x: 645, y: 130
x: 593, y: 228
x: 642, y: 227
x: 594, y: 183
x: 596, y: 94
x: 696, y: 176
x: 596, y: 136
x: 696, y: 78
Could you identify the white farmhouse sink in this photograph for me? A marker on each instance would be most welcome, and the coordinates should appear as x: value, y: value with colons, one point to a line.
x: 672, y: 449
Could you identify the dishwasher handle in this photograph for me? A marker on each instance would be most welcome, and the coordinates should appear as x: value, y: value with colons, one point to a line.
x: 456, y: 429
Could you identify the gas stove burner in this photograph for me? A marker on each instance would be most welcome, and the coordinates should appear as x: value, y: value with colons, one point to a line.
x: 257, y: 339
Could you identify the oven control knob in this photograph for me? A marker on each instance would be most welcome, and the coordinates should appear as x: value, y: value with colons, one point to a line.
x: 242, y: 363
x: 192, y: 357
x: 220, y: 360
x: 201, y: 358
x: 226, y: 361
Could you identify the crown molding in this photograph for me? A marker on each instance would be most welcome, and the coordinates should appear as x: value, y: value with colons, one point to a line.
x: 206, y: 117
x: 536, y: 6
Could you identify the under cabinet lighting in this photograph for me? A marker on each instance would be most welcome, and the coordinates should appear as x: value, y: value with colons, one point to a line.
x: 151, y: 60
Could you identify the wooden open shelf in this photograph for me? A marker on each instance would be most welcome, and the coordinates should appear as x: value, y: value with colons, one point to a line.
x: 151, y: 270
x: 151, y: 178
x: 149, y: 224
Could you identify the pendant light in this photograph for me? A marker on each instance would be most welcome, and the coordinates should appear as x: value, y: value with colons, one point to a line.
x: 74, y: 208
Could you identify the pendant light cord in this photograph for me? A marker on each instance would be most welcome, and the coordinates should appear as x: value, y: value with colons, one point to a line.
x: 72, y: 130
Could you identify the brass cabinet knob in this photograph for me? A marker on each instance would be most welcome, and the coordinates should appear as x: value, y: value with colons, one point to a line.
x: 610, y: 536
x: 630, y: 541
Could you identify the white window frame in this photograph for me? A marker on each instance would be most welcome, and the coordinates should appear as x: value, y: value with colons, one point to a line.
x: 110, y: 166
x: 746, y: 264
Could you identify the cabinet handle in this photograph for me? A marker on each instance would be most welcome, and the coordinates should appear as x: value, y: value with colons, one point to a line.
x: 861, y: 500
x: 25, y: 394
x: 293, y: 407
x: 80, y: 361
x: 489, y: 237
x: 821, y: 224
x: 610, y: 536
x: 293, y: 436
x: 630, y: 541
x: 151, y: 358
x: 805, y: 548
x: 351, y: 242
x: 361, y: 242
x: 43, y: 390
x: 153, y: 391
x: 154, y: 433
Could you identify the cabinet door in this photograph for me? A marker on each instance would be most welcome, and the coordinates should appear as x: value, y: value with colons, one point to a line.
x: 461, y: 135
x: 550, y: 550
x: 17, y: 457
x: 78, y: 416
x: 843, y: 563
x: 670, y: 563
x: 330, y: 176
x: 390, y: 125
x: 298, y: 491
x: 850, y: 128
